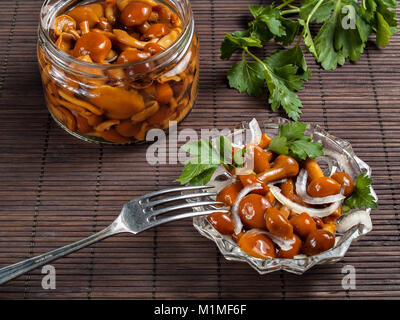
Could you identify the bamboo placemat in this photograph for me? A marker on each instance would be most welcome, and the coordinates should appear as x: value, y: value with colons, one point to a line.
x: 55, y: 189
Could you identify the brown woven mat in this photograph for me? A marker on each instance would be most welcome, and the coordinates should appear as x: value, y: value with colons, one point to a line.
x: 55, y: 189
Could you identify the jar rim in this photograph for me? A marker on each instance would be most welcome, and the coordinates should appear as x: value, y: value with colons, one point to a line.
x: 48, y: 14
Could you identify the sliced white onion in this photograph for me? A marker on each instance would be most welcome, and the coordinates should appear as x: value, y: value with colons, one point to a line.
x: 297, y: 208
x: 237, y: 139
x: 341, y: 159
x: 256, y: 132
x: 282, y: 243
x: 301, y: 189
x: 235, y: 208
x: 351, y: 219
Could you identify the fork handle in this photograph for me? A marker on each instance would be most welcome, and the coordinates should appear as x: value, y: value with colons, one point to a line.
x: 19, y: 268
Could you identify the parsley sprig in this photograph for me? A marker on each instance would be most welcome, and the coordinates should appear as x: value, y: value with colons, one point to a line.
x: 344, y: 28
x: 361, y: 197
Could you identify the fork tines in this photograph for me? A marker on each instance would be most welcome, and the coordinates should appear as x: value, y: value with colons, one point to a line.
x: 171, y: 190
x: 198, y: 199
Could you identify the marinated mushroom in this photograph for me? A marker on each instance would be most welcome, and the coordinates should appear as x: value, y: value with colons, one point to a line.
x: 90, y: 13
x: 118, y: 103
x: 257, y: 244
x: 318, y: 241
x: 251, y: 179
x: 94, y: 44
x: 261, y: 159
x: 229, y: 194
x: 284, y: 167
x: 323, y: 187
x: 293, y: 250
x: 252, y: 211
x: 135, y: 13
x: 64, y: 23
x: 156, y: 31
x: 303, y: 224
x: 221, y: 221
x: 345, y: 181
x: 278, y: 224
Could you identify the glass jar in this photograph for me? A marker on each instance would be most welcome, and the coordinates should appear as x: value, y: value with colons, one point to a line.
x: 118, y: 103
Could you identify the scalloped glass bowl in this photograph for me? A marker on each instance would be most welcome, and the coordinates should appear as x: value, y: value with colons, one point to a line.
x: 338, y: 153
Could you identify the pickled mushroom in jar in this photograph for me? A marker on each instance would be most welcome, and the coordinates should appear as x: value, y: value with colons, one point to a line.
x: 90, y: 13
x: 119, y: 104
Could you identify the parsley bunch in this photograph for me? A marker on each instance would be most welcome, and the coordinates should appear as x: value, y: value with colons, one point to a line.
x: 345, y: 26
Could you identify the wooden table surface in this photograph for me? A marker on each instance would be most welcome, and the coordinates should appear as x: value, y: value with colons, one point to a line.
x: 55, y: 189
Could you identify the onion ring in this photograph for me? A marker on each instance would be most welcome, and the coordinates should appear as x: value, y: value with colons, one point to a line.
x: 351, y: 219
x: 297, y: 208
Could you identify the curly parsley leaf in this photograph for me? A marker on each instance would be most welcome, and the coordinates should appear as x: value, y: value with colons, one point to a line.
x: 269, y: 23
x: 196, y: 173
x: 292, y: 28
x: 293, y: 131
x: 292, y: 57
x: 305, y: 148
x: 308, y: 40
x: 237, y: 41
x: 343, y: 34
x: 345, y: 28
x: 381, y: 16
x: 283, y: 73
x: 361, y: 197
x: 280, y: 94
x: 291, y: 141
x: 279, y: 145
x: 247, y: 77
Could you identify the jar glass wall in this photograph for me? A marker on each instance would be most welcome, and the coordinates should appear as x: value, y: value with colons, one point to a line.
x: 117, y: 102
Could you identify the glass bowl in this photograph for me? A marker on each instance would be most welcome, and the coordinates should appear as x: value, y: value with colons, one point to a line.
x: 338, y: 153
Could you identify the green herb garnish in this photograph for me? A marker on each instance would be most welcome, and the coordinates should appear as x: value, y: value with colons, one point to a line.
x: 199, y: 169
x: 344, y: 28
x: 291, y: 141
x: 361, y: 197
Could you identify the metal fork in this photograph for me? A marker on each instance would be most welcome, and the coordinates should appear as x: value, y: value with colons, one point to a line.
x: 136, y: 216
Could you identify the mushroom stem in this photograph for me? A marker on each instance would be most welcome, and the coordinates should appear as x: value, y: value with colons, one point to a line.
x: 284, y: 167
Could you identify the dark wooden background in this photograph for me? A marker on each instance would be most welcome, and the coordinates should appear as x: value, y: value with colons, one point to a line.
x: 55, y: 189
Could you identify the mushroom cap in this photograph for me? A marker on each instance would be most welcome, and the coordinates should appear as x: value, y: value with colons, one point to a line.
x: 290, y: 165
